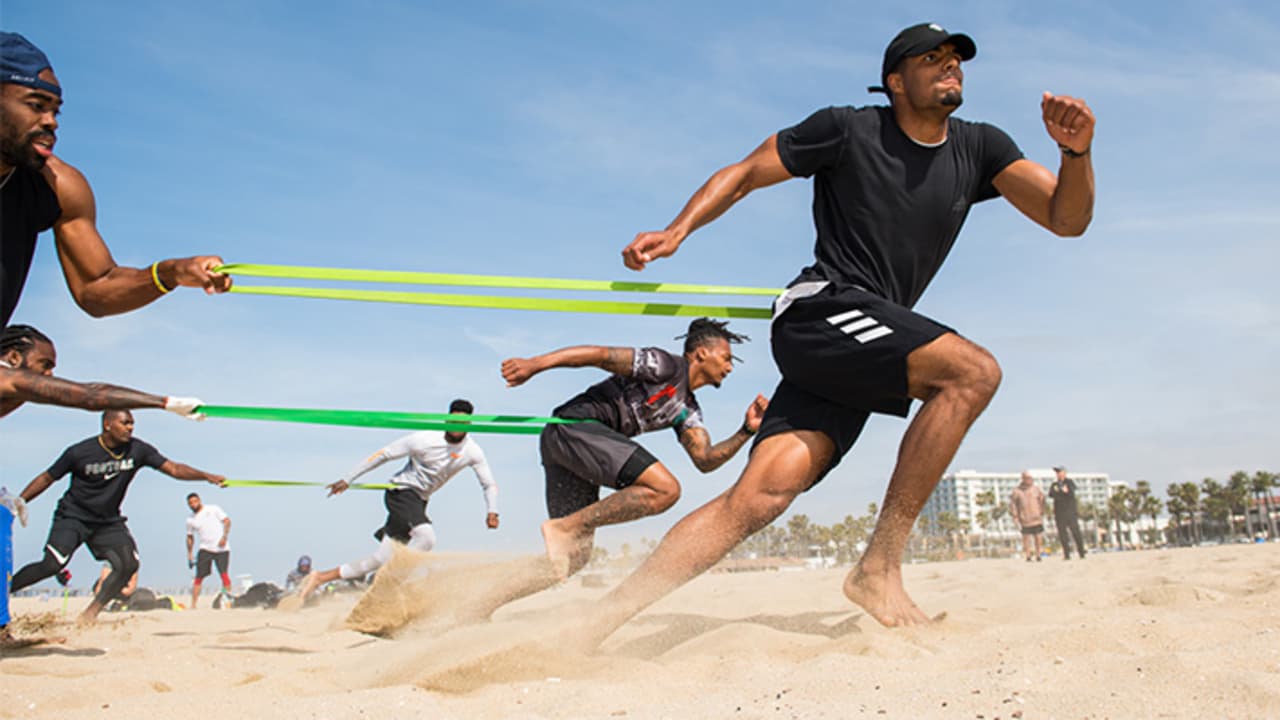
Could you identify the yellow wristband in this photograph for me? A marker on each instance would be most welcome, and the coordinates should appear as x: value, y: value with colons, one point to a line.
x: 155, y: 277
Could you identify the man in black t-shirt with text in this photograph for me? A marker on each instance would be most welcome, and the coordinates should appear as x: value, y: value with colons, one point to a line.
x: 101, y: 467
x: 892, y: 187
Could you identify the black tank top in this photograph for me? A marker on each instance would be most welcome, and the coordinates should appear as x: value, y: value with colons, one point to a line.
x: 29, y: 208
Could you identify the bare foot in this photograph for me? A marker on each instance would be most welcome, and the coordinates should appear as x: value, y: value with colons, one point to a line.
x: 881, y: 594
x: 561, y: 547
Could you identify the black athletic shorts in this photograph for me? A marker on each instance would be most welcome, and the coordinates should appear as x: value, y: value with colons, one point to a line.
x: 1033, y: 529
x: 580, y: 459
x: 842, y: 353
x: 67, y: 533
x: 405, y: 511
x: 206, y: 558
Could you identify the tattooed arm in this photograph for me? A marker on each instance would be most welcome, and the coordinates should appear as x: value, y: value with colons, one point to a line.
x: 22, y: 386
x: 615, y: 360
x: 707, y: 457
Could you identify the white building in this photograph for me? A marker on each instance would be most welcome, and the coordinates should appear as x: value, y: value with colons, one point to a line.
x: 958, y: 493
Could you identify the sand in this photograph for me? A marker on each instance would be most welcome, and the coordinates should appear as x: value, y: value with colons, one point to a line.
x: 1165, y: 633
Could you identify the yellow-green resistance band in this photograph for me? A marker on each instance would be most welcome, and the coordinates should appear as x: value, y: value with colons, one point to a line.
x: 298, y: 272
x: 512, y: 303
x: 506, y: 424
x: 492, y: 301
x: 303, y: 483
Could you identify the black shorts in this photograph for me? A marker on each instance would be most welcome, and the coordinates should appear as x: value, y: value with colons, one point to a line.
x: 405, y: 511
x: 67, y: 533
x: 842, y: 353
x: 1033, y: 529
x: 207, y: 558
x: 580, y: 459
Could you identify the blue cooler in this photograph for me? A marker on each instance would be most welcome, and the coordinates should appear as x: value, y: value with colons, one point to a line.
x: 6, y: 561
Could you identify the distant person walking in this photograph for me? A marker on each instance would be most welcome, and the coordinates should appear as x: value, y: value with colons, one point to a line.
x: 208, y: 530
x: 1026, y: 505
x: 1066, y: 512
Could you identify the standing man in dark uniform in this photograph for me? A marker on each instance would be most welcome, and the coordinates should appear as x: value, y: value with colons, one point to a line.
x: 892, y: 188
x: 101, y: 469
x: 1066, y: 512
x: 39, y: 191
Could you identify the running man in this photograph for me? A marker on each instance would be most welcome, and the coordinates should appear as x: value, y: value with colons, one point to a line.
x: 434, y: 458
x: 40, y: 191
x: 649, y: 389
x: 893, y: 187
x: 101, y: 467
x: 212, y: 526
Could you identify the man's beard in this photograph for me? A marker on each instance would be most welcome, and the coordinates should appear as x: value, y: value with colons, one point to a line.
x: 21, y: 153
x: 952, y: 99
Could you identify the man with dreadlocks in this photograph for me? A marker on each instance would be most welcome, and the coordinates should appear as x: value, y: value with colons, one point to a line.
x: 649, y: 389
x: 27, y: 359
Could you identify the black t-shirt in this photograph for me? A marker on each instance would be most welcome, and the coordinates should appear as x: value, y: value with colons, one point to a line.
x: 1063, y: 494
x: 655, y: 396
x: 887, y: 210
x: 99, y: 479
x: 28, y: 207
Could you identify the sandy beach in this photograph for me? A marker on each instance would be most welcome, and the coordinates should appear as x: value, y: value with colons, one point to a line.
x: 1167, y: 633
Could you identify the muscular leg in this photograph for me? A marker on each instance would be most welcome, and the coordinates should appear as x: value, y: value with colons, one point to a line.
x: 123, y: 560
x: 30, y: 574
x: 956, y: 379
x: 781, y: 467
x: 569, y: 539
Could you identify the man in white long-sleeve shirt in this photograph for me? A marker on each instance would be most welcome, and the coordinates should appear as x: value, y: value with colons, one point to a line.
x: 434, y: 458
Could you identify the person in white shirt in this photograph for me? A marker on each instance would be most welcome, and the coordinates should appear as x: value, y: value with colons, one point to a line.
x: 207, y: 532
x: 434, y: 458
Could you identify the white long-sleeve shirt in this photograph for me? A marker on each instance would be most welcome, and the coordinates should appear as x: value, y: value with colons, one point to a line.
x: 433, y: 461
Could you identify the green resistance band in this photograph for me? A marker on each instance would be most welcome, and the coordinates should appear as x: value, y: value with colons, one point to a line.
x: 297, y: 272
x: 508, y: 424
x: 303, y: 483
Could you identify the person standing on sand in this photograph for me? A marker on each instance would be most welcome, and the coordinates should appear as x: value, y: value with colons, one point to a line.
x: 1066, y: 512
x: 893, y: 186
x: 208, y: 533
x: 1026, y: 507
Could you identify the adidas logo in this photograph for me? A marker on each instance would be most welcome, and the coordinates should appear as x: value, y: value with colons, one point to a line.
x: 863, y: 327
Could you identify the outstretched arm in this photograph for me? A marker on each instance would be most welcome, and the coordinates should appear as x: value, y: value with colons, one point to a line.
x: 397, y: 449
x: 707, y: 457
x: 185, y: 472
x: 762, y: 168
x: 25, y: 386
x: 100, y: 286
x: 35, y: 487
x: 615, y: 360
x: 1062, y: 204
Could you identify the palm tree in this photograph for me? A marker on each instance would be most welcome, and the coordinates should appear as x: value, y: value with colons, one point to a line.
x: 1118, y: 508
x: 1189, y: 495
x: 949, y: 525
x: 1176, y: 509
x: 1261, y: 484
x: 1217, y: 505
x: 1238, y: 496
x: 800, y: 535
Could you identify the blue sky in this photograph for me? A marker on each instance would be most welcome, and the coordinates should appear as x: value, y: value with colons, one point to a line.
x: 537, y: 139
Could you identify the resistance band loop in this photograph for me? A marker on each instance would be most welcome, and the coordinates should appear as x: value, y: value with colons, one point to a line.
x: 496, y: 281
x: 303, y: 483
x: 508, y: 424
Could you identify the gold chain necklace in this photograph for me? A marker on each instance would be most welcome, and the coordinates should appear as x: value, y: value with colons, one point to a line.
x: 113, y: 455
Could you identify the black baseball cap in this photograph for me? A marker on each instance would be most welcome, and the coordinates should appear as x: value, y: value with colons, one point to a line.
x: 1059, y: 468
x: 918, y: 40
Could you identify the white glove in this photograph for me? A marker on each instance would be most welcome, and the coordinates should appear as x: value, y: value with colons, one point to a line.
x: 184, y: 406
x: 16, y: 505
